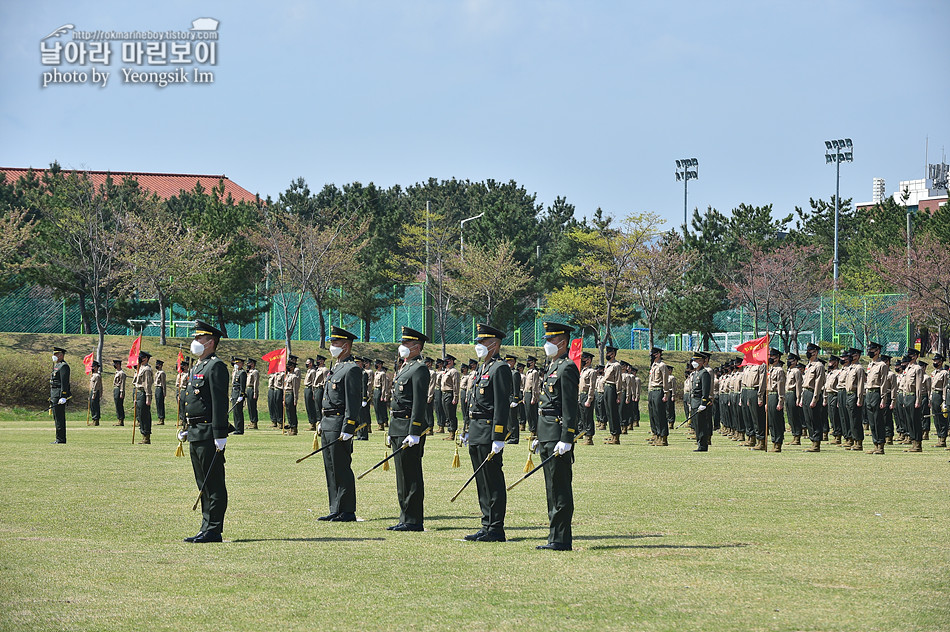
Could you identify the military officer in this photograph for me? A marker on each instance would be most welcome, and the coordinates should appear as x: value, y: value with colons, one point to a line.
x: 309, y: 404
x: 318, y: 385
x: 275, y: 398
x: 832, y: 380
x: 854, y: 384
x: 938, y: 385
x: 143, y: 382
x: 532, y: 393
x: 888, y: 395
x: 181, y: 384
x: 599, y: 398
x: 342, y: 406
x: 382, y: 393
x: 159, y: 393
x: 671, y: 403
x: 875, y: 402
x: 489, y: 408
x: 777, y: 399
x: 557, y: 428
x: 430, y: 403
x: 437, y: 396
x: 59, y: 392
x: 753, y: 402
x: 811, y: 399
x: 118, y: 392
x: 701, y: 404
x: 636, y: 389
x: 465, y: 383
x: 238, y: 393
x: 291, y: 393
x: 794, y: 398
x: 451, y: 391
x: 407, y: 428
x: 251, y: 392
x: 95, y: 392
x: 913, y: 401
x: 660, y: 385
x: 612, y: 372
x: 365, y: 421
x: 516, y: 394
x: 206, y: 428
x: 585, y: 397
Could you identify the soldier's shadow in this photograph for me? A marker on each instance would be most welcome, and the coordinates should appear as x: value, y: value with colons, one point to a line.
x: 327, y: 539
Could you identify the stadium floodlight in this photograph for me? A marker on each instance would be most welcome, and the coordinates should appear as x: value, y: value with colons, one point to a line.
x: 685, y: 174
x: 834, y: 152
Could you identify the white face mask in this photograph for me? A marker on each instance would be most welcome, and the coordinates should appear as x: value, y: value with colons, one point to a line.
x: 197, y: 348
x: 335, y: 351
x: 695, y: 364
x: 55, y: 359
x: 481, y: 350
x: 404, y: 351
x: 550, y: 349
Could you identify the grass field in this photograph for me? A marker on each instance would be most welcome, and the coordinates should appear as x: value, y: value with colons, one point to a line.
x: 665, y: 539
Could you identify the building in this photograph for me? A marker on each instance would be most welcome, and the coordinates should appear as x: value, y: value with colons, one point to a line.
x: 926, y: 194
x: 165, y: 185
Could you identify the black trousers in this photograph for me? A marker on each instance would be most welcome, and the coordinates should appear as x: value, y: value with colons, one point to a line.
x: 558, y: 488
x: 450, y: 411
x: 601, y: 410
x: 290, y: 409
x: 310, y: 404
x: 206, y: 461
x: 834, y: 415
x: 144, y: 413
x: 872, y: 403
x: 437, y: 402
x: 939, y: 417
x: 658, y: 420
x: 776, y: 419
x: 251, y: 399
x: 119, y: 403
x: 338, y: 464
x: 490, y: 484
x: 913, y: 417
x: 59, y: 421
x: 702, y: 422
x: 237, y: 411
x: 812, y: 417
x: 854, y: 416
x: 410, y: 486
x: 671, y: 411
x: 381, y: 407
x: 754, y: 427
x: 613, y: 408
x: 796, y: 415
x: 531, y: 410
x: 95, y: 411
x: 160, y: 403
x: 463, y: 400
x: 586, y: 425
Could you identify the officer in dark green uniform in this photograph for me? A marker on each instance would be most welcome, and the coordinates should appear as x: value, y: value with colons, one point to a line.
x: 238, y: 393
x: 557, y: 426
x: 701, y: 395
x: 514, y: 420
x: 489, y: 406
x: 206, y: 428
x: 342, y: 404
x: 59, y: 392
x: 181, y: 393
x: 407, y: 428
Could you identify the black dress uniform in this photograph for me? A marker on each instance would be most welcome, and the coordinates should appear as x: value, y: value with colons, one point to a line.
x: 159, y: 396
x: 59, y: 389
x: 206, y: 416
x: 489, y: 406
x: 558, y: 420
x: 95, y: 393
x: 342, y: 405
x: 702, y: 399
x: 410, y: 392
x: 238, y: 391
x: 514, y: 419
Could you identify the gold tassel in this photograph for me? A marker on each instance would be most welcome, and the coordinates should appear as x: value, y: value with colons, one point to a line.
x: 529, y: 465
x: 386, y: 464
x: 456, y: 462
x: 316, y: 441
x: 179, y: 451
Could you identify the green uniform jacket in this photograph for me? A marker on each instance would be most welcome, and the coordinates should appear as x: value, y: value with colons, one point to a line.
x: 702, y: 385
x: 206, y: 400
x: 239, y: 385
x: 59, y: 382
x: 343, y: 397
x: 410, y: 392
x: 489, y: 403
x: 558, y: 406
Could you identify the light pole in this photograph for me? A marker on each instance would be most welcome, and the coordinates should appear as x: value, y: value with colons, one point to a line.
x: 686, y: 169
x: 462, y: 237
x: 838, y: 151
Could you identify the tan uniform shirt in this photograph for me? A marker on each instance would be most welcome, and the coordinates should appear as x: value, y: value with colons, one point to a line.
x: 95, y: 384
x: 432, y: 378
x: 310, y: 378
x: 321, y: 377
x: 451, y: 383
x: 532, y: 386
x: 119, y: 381
x: 794, y: 384
x: 778, y: 381
x: 291, y: 383
x: 938, y: 380
x: 585, y: 391
x: 160, y: 378
x: 599, y: 384
x: 754, y: 377
x: 877, y: 375
x: 814, y: 378
x: 253, y: 380
x: 143, y: 381
x: 660, y: 378
x: 855, y: 382
x: 637, y: 387
x: 612, y: 373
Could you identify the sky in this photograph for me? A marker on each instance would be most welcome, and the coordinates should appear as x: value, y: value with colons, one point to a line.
x: 592, y: 100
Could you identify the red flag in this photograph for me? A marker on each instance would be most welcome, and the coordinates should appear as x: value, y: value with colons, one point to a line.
x: 755, y: 351
x: 276, y: 360
x: 134, y: 353
x: 181, y: 357
x: 577, y: 348
x: 87, y: 362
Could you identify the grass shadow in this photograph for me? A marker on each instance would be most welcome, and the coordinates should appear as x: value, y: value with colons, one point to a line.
x: 327, y: 539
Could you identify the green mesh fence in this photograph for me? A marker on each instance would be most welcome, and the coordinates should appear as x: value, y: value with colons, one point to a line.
x: 844, y: 319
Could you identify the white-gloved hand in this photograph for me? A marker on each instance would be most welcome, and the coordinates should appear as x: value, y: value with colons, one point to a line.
x: 345, y: 436
x: 182, y: 435
x: 388, y: 441
x: 562, y: 448
x: 701, y: 408
x: 319, y: 431
x: 364, y: 404
x: 220, y: 443
x: 62, y: 400
x: 240, y: 399
x: 534, y: 446
x: 410, y: 441
x: 943, y: 407
x: 464, y: 440
x: 497, y: 446
x: 514, y: 404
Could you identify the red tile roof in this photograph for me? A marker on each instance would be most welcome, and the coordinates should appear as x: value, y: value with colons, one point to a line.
x: 165, y: 185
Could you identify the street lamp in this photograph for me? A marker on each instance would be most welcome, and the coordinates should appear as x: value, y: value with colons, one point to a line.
x: 462, y: 237
x: 686, y: 169
x: 838, y: 151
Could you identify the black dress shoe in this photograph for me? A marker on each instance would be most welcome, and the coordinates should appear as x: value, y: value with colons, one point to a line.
x: 402, y: 526
x: 329, y: 516
x: 512, y: 441
x: 194, y: 537
x: 701, y: 448
x: 474, y: 536
x: 55, y: 442
x: 492, y: 536
x: 346, y: 516
x: 207, y: 536
x: 554, y: 546
x: 238, y: 432
x: 395, y: 527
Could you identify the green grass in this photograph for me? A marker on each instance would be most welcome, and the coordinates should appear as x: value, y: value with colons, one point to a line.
x: 665, y: 539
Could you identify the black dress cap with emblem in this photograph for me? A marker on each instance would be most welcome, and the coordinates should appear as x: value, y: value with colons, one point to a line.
x: 874, y: 345
x: 487, y: 331
x: 556, y: 329
x: 338, y: 333
x: 204, y: 329
x: 58, y: 350
x: 411, y: 335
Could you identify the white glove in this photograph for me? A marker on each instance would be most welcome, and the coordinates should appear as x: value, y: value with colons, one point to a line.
x: 410, y: 440
x: 943, y: 407
x: 182, y: 435
x: 497, y: 446
x: 701, y: 408
x: 388, y: 441
x: 562, y: 448
x: 464, y: 440
x: 534, y: 446
x: 318, y: 428
x: 364, y: 404
x: 514, y: 404
x: 220, y: 443
x: 62, y: 400
x: 345, y: 436
x: 240, y: 399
